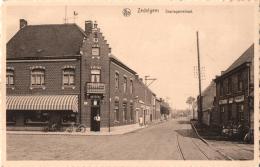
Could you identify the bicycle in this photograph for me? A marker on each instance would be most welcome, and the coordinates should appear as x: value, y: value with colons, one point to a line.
x: 76, y: 128
x: 51, y: 127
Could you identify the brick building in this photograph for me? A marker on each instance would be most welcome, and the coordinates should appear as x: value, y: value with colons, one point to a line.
x: 234, y: 92
x: 63, y: 74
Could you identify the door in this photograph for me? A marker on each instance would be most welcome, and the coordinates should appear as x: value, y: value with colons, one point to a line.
x: 95, y: 125
x: 95, y: 111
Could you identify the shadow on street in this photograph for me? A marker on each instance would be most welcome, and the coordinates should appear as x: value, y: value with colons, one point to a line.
x: 186, y: 133
x: 184, y: 122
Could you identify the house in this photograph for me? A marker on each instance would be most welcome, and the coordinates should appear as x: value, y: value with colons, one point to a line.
x: 235, y: 92
x: 208, y: 105
x: 60, y: 73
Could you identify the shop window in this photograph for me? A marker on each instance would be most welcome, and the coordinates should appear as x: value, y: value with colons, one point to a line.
x: 36, y: 117
x: 68, y: 118
x: 116, y: 80
x: 116, y: 111
x: 124, y: 111
x: 10, y: 118
x: 95, y: 75
x: 95, y: 51
x: 125, y: 84
x: 131, y: 112
x: 37, y: 77
x: 240, y: 110
x: 10, y: 77
x: 69, y: 77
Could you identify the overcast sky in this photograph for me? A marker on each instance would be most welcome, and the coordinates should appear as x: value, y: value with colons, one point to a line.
x: 160, y: 45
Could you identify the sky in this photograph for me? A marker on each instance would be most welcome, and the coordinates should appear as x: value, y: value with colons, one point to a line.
x: 161, y: 45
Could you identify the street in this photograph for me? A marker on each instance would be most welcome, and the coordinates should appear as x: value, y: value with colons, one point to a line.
x: 171, y: 140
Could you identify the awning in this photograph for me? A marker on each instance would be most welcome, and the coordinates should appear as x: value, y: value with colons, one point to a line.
x: 43, y: 102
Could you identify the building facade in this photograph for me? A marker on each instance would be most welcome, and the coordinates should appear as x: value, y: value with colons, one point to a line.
x: 64, y: 74
x: 234, y: 92
x: 209, y: 112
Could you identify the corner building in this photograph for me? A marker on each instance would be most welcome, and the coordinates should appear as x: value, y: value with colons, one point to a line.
x: 63, y: 74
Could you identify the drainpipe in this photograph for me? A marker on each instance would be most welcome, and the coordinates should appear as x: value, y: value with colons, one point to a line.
x: 109, y: 95
x: 248, y: 96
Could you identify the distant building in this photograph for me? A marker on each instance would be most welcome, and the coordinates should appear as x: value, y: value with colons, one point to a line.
x: 63, y: 74
x: 235, y: 91
x: 209, y: 113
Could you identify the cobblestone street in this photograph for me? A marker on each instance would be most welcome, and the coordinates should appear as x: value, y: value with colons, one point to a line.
x: 172, y: 140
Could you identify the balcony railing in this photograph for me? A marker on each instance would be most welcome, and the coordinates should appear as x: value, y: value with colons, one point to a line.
x: 95, y: 88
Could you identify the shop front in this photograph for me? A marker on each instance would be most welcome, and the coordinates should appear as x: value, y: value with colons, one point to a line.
x: 36, y: 112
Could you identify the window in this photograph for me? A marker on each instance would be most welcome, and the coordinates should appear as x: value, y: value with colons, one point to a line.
x: 36, y: 117
x: 124, y: 111
x: 95, y: 51
x: 68, y: 118
x: 116, y: 80
x: 240, y: 110
x: 95, y: 75
x: 125, y: 84
x: 10, y: 117
x: 240, y: 82
x: 221, y: 89
x: 116, y: 111
x: 131, y: 112
x: 229, y: 85
x: 68, y: 76
x: 9, y: 77
x: 37, y: 77
x: 131, y: 87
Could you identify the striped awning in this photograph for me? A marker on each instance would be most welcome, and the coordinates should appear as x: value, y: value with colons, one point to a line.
x: 43, y: 102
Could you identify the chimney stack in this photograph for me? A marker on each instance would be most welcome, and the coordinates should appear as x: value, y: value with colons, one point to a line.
x: 23, y: 23
x: 88, y: 27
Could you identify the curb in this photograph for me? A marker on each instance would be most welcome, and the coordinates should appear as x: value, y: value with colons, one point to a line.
x: 80, y: 134
x: 202, y: 139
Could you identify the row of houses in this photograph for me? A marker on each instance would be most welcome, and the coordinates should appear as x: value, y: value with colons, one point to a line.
x: 228, y: 100
x: 63, y: 74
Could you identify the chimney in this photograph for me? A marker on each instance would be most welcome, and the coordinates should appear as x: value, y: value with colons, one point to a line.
x: 88, y: 27
x: 23, y: 23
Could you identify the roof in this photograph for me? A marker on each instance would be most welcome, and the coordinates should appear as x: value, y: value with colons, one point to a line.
x: 120, y: 63
x: 51, y: 40
x: 246, y: 57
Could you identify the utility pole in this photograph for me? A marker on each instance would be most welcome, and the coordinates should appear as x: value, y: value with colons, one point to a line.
x: 200, y: 98
x: 65, y: 18
x: 146, y: 78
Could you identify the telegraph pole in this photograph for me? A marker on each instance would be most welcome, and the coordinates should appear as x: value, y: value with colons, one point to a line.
x: 200, y: 98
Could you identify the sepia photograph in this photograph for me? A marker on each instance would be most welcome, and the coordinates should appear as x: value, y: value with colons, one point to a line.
x: 130, y: 82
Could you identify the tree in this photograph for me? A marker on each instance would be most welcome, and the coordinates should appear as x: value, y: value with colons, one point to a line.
x: 191, y: 101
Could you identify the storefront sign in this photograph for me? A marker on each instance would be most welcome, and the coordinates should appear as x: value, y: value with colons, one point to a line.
x: 225, y: 101
x: 239, y: 98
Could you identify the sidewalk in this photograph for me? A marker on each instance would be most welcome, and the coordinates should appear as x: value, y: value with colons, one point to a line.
x: 118, y: 130
x: 227, y: 148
